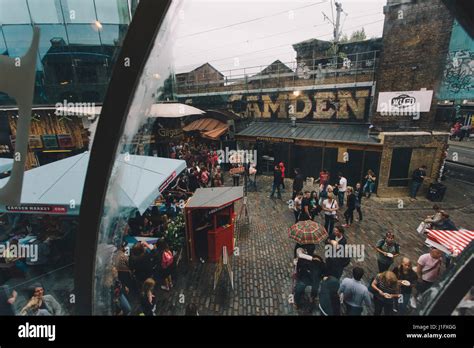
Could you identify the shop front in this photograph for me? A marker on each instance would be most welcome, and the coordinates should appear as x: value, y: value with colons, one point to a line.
x: 313, y: 147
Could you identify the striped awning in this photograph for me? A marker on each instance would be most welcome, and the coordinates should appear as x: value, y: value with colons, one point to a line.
x: 454, y: 241
x: 208, y: 127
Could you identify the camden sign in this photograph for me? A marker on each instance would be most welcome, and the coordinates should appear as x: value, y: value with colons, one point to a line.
x: 339, y: 104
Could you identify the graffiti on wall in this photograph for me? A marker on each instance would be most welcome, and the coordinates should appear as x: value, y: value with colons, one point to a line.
x: 459, y: 71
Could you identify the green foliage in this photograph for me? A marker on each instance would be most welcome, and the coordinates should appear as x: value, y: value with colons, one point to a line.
x: 175, y: 234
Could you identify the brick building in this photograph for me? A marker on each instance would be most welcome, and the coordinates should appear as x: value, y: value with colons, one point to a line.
x: 415, y: 43
x: 203, y: 75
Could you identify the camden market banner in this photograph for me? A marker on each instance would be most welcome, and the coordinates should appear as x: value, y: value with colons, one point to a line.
x: 344, y: 104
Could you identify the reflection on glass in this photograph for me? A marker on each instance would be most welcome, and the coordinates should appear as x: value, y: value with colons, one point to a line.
x: 78, y: 11
x: 112, y: 11
x: 45, y: 11
x: 17, y: 12
x: 119, y: 203
x: 84, y: 34
x: 18, y: 39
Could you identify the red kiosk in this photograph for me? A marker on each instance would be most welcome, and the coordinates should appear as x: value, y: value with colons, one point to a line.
x: 210, y: 222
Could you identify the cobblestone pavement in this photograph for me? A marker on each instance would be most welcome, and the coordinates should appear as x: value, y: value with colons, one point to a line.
x: 262, y: 271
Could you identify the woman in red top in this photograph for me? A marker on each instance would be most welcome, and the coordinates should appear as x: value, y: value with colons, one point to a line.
x: 282, y: 168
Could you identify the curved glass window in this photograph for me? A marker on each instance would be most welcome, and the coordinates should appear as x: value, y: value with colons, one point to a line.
x: 45, y: 11
x: 17, y: 12
x: 124, y: 195
x: 112, y: 11
x: 79, y: 11
x: 18, y: 39
x: 83, y: 34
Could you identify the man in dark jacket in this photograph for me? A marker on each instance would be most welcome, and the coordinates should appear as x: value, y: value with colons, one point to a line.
x: 297, y: 183
x: 277, y: 179
x: 417, y: 180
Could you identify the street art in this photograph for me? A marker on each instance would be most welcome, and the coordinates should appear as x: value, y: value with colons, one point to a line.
x: 459, y: 70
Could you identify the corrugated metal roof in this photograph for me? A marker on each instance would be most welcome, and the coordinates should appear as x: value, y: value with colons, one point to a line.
x: 350, y: 133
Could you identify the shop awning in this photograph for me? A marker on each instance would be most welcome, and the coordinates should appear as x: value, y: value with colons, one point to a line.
x: 56, y: 188
x: 6, y: 164
x: 215, y: 197
x: 208, y: 127
x: 451, y: 242
x: 347, y: 133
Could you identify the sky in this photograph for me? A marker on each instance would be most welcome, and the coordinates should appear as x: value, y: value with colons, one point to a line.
x: 212, y: 30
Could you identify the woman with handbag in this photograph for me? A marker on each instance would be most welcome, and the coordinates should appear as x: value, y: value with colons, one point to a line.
x: 330, y: 208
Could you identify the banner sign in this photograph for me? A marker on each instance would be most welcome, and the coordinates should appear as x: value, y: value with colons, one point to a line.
x: 46, y: 209
x: 404, y: 102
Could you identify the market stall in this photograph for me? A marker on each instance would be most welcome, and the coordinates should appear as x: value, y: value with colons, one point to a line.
x: 451, y: 243
x: 49, y: 190
x: 210, y: 222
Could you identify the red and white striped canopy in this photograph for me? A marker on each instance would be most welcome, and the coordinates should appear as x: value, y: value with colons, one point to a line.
x: 454, y: 241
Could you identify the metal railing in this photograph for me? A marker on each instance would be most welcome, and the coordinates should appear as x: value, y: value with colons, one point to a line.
x: 351, y: 68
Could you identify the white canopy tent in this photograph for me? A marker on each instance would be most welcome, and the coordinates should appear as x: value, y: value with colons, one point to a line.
x: 6, y: 164
x: 56, y: 188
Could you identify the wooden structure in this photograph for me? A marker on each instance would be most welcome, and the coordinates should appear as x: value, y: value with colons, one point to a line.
x: 210, y: 222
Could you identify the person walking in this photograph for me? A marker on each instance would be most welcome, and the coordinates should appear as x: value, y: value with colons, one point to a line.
x: 369, y: 186
x: 148, y: 298
x: 417, y: 180
x: 335, y: 262
x: 408, y: 280
x: 323, y: 177
x: 297, y: 183
x: 276, y: 182
x: 282, y: 169
x: 253, y: 177
x: 351, y: 205
x: 297, y: 206
x: 354, y: 294
x: 428, y: 269
x: 329, y: 303
x: 387, y: 249
x: 236, y: 174
x: 330, y: 208
x: 305, y: 207
x: 342, y: 187
x: 304, y: 278
x: 315, y: 208
x: 358, y: 193
x: 386, y: 288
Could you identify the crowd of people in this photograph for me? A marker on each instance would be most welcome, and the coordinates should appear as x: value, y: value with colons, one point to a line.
x: 394, y: 289
x: 460, y: 131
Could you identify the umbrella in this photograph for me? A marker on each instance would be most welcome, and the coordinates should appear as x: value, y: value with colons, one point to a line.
x: 307, y: 232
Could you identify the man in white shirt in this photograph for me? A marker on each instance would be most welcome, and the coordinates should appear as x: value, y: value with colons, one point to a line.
x: 342, y: 186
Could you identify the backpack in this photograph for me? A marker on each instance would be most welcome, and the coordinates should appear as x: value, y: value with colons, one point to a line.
x: 167, y: 259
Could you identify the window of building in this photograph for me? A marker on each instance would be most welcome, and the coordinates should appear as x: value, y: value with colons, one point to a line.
x: 17, y: 12
x: 79, y: 11
x: 45, y: 11
x: 112, y: 11
x: 18, y: 39
x: 399, y: 167
x: 82, y: 34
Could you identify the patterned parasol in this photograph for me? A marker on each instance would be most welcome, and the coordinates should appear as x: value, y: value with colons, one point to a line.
x: 307, y: 232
